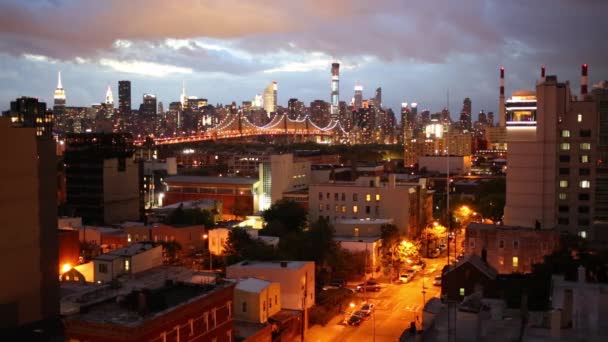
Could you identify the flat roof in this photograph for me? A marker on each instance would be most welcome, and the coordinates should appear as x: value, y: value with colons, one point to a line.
x: 211, y: 180
x: 365, y: 221
x: 475, y: 225
x: 294, y: 265
x: 133, y: 249
x: 253, y: 285
x: 366, y: 239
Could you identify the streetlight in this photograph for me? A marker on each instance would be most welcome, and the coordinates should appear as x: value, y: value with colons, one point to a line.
x: 206, y: 237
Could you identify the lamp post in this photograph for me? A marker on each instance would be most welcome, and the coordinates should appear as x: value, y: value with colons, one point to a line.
x: 206, y: 237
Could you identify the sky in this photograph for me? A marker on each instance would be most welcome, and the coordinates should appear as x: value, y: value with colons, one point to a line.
x: 230, y: 50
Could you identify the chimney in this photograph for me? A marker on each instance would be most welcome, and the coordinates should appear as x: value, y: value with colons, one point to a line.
x: 583, y: 81
x: 581, y: 274
x: 542, y: 74
x: 501, y: 103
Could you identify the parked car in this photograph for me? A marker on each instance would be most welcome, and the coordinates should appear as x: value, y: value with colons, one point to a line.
x: 437, y: 281
x: 435, y: 253
x: 355, y: 319
x: 370, y: 285
x: 335, y: 284
x: 405, y: 278
x: 420, y: 265
x: 367, y: 309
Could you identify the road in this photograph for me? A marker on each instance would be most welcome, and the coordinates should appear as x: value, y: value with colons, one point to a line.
x: 396, y: 306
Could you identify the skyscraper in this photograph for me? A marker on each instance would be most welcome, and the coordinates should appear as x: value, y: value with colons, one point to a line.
x: 335, y: 90
x: 124, y: 97
x: 184, y: 98
x: 148, y: 107
x: 465, y: 114
x: 270, y: 98
x: 358, y: 96
x: 378, y: 98
x: 29, y: 112
x: 59, y: 96
x: 109, y: 102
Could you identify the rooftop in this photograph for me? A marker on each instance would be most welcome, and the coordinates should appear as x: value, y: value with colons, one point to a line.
x: 478, y: 263
x: 253, y: 285
x: 294, y: 265
x: 366, y: 239
x: 481, y: 226
x: 365, y: 221
x: 130, y: 250
x: 211, y: 180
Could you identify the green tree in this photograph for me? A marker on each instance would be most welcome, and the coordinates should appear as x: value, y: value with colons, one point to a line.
x: 320, y: 245
x: 241, y: 246
x: 171, y: 249
x: 284, y: 216
x: 193, y: 216
x: 389, y: 233
x: 490, y: 199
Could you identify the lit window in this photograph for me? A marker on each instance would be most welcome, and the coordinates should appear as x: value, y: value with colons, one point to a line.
x: 501, y: 261
x: 585, y: 146
x: 562, y: 196
x: 355, y: 209
x: 563, y: 183
x: 128, y: 237
x: 585, y: 184
x: 565, y: 133
x: 368, y: 197
x: 579, y: 118
x: 337, y: 208
x: 127, y: 265
x: 377, y: 197
x: 583, y: 234
x: 584, y: 158
x: 343, y: 208
x: 320, y: 207
x: 356, y: 232
x: 461, y: 291
x: 564, y: 146
x: 515, y: 262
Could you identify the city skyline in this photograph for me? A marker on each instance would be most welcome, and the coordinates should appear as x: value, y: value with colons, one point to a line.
x: 429, y: 49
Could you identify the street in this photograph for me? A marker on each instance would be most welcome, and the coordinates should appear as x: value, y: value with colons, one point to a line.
x: 396, y: 306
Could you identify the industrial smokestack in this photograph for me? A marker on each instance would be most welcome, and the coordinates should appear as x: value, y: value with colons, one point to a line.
x: 583, y: 81
x: 542, y: 74
x: 501, y: 104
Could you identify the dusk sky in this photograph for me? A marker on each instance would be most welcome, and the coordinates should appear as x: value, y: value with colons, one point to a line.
x: 229, y: 50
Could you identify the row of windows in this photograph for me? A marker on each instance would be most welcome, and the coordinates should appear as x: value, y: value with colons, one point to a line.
x: 564, y: 171
x: 355, y: 209
x: 581, y: 197
x: 583, y: 133
x: 566, y: 146
x: 566, y: 221
x: 584, y: 184
x: 342, y: 197
x: 501, y: 244
x: 564, y: 158
x: 583, y: 209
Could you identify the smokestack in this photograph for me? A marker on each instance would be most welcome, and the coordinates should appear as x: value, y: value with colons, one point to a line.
x: 583, y: 81
x: 542, y: 74
x: 501, y: 104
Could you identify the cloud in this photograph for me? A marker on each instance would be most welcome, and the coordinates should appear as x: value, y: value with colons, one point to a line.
x: 143, y: 68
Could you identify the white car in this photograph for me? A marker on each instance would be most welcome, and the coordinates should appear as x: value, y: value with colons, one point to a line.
x: 367, y: 308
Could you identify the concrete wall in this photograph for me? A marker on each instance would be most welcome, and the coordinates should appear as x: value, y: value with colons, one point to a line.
x: 146, y: 260
x: 87, y: 270
x: 458, y: 164
x: 121, y: 191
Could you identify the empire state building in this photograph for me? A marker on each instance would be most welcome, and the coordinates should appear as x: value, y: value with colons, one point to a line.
x: 59, y: 96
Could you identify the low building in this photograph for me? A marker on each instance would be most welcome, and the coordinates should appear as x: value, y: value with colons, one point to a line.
x: 458, y: 164
x: 135, y: 258
x: 255, y: 300
x: 190, y: 238
x: 69, y: 249
x: 296, y: 278
x: 162, y: 304
x: 107, y: 238
x: 369, y: 245
x: 362, y: 227
x: 213, y: 206
x: 510, y: 249
x: 237, y: 194
x: 470, y: 275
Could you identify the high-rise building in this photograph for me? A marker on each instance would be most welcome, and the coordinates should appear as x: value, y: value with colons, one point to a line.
x: 184, y: 98
x: 557, y: 175
x: 29, y: 112
x: 270, y: 98
x: 378, y: 98
x: 161, y: 109
x: 148, y: 107
x: 358, y: 102
x: 465, y: 114
x: 335, y: 90
x: 109, y: 98
x: 59, y: 97
x: 102, y: 179
x: 28, y: 217
x: 124, y: 97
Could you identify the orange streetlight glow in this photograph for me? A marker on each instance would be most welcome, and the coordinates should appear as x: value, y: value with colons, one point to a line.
x: 66, y: 267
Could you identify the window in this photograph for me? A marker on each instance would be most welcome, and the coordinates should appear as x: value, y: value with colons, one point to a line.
x: 564, y: 146
x: 584, y: 172
x: 337, y: 208
x: 276, y: 300
x: 565, y: 133
x: 515, y: 244
x: 563, y: 208
x: 327, y: 206
x: 579, y: 118
x: 515, y: 262
x: 564, y: 158
x: 127, y: 264
x: 377, y: 197
x: 343, y: 209
x: 356, y: 232
x: 583, y: 197
x: 585, y: 184
x: 320, y: 196
x: 320, y: 206
x: 327, y: 195
x: 103, y: 268
x: 564, y: 171
x: 585, y: 146
x: 563, y: 196
x: 585, y: 133
x: 583, y: 222
x: 583, y: 234
x: 128, y: 237
x: 368, y: 197
x: 583, y: 209
x: 584, y: 158
x: 264, y: 306
x: 461, y: 292
x: 355, y: 209
x: 563, y: 221
x: 501, y: 261
x: 244, y: 307
x: 355, y: 197
x: 343, y: 197
x: 336, y: 196
x: 501, y: 243
x: 471, y: 243
x: 367, y: 209
x: 377, y: 210
x: 563, y: 183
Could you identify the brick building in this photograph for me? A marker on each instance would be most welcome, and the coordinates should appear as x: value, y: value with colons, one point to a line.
x: 471, y: 274
x: 510, y: 249
x: 190, y: 238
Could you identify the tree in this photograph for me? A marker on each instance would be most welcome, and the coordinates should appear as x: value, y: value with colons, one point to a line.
x: 192, y: 216
x: 491, y: 198
x: 171, y: 249
x: 319, y: 242
x: 389, y: 233
x: 285, y: 216
x: 241, y: 246
x: 407, y: 252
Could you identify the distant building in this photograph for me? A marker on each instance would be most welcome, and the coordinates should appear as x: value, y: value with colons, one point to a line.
x: 31, y: 113
x: 408, y: 205
x: 280, y: 174
x: 132, y: 259
x: 148, y: 107
x: 460, y: 165
x: 124, y: 97
x: 358, y: 99
x: 28, y: 217
x: 335, y: 90
x: 470, y: 275
x: 102, y: 178
x: 510, y: 249
x: 270, y: 98
x: 190, y: 238
x: 59, y: 98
